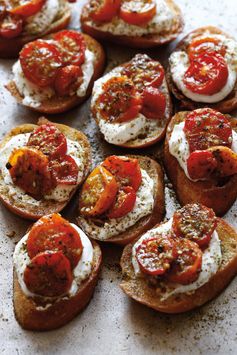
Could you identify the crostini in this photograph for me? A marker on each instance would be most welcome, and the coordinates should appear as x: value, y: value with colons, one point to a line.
x: 131, y: 104
x: 121, y: 199
x: 181, y: 264
x: 139, y: 24
x: 200, y: 157
x: 203, y: 71
x: 56, y: 74
x: 56, y: 269
x: 41, y: 167
x: 24, y: 21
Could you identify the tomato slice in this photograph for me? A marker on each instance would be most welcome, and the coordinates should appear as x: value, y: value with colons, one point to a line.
x: 207, y: 74
x: 187, y: 266
x: 72, y: 45
x: 126, y: 170
x: 29, y: 170
x: 226, y: 160
x: 154, y: 103
x: 119, y: 101
x: 138, y: 12
x: 49, y: 140
x: 205, y: 128
x: 155, y: 254
x: 11, y: 25
x: 124, y: 203
x: 207, y: 44
x: 194, y: 222
x: 68, y: 80
x: 98, y: 192
x: 201, y: 164
x: 54, y: 233
x: 49, y: 274
x: 104, y: 10
x: 64, y: 170
x: 40, y: 61
x: 26, y: 8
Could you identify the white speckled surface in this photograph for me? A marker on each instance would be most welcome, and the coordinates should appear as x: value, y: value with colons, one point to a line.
x: 112, y: 323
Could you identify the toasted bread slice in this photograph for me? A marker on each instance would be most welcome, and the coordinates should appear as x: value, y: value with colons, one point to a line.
x: 29, y: 315
x: 138, y: 289
x: 145, y: 41
x: 212, y: 194
x: 58, y: 104
x: 155, y: 172
x: 28, y: 210
x: 10, y: 48
x: 226, y: 105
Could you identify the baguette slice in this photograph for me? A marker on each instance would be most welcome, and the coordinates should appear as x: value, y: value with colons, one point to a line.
x: 58, y: 104
x: 155, y: 172
x: 226, y: 105
x: 219, y: 197
x: 138, y: 289
x: 146, y: 41
x: 63, y: 310
x: 10, y: 48
x: 34, y: 212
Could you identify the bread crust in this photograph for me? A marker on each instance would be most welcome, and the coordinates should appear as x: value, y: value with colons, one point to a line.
x: 58, y: 104
x: 226, y: 105
x: 208, y: 193
x: 45, y: 207
x: 10, y: 48
x: 61, y: 312
x: 138, y: 289
x: 155, y: 172
x: 146, y: 41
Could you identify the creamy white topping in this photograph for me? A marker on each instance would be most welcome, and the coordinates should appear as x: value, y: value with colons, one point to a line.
x: 179, y: 63
x: 87, y: 71
x: 80, y: 272
x: 143, y: 207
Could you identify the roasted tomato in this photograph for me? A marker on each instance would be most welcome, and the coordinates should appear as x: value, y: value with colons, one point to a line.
x: 29, y: 170
x: 126, y: 170
x: 195, y: 222
x: 64, y: 170
x: 138, y: 12
x: 40, y: 61
x: 10, y: 25
x: 206, y: 128
x: 104, y: 10
x: 68, y: 80
x: 207, y: 74
x: 226, y: 160
x: 26, y: 8
x: 54, y: 233
x: 72, y: 45
x: 119, y: 100
x: 155, y: 254
x: 154, y: 103
x: 124, y: 203
x: 49, y: 274
x: 98, y: 192
x: 201, y: 164
x: 207, y: 44
x: 49, y: 140
x: 187, y: 266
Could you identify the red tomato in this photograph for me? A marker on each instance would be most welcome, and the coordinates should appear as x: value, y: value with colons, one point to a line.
x: 202, y: 45
x: 195, y: 222
x: 154, y: 103
x: 201, y: 164
x: 40, y: 61
x: 155, y: 254
x: 73, y: 46
x: 68, y: 80
x: 138, y: 12
x: 10, y: 25
x: 187, y: 266
x: 98, y: 192
x: 49, y: 140
x: 226, y: 160
x: 126, y: 170
x: 207, y: 74
x: 64, y: 170
x: 103, y: 10
x: 124, y: 203
x: 54, y: 233
x: 206, y: 128
x: 26, y: 8
x: 119, y: 101
x: 49, y: 274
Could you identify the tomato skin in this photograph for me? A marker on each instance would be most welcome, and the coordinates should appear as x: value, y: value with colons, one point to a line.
x: 64, y: 170
x: 226, y: 160
x: 154, y: 103
x: 49, y: 274
x: 202, y: 45
x: 11, y: 26
x: 68, y: 80
x: 124, y: 203
x: 28, y: 8
x: 104, y: 10
x: 133, y: 16
x: 201, y: 164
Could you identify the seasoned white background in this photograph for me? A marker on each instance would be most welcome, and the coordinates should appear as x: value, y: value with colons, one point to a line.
x: 112, y: 323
